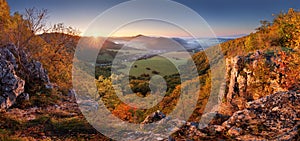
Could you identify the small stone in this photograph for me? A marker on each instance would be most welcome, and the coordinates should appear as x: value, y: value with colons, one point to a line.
x: 219, y: 128
x: 234, y: 131
x: 226, y: 125
x: 241, y: 117
x: 275, y: 109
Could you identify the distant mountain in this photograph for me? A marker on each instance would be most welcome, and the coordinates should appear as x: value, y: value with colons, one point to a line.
x: 167, y: 44
x: 152, y: 43
x: 233, y: 36
x: 205, y: 42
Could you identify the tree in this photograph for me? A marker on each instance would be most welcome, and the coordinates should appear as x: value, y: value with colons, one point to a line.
x: 36, y: 19
x: 35, y: 22
x: 57, y: 53
x: 264, y: 26
x: 4, y: 20
x: 54, y: 47
x: 22, y: 28
x: 4, y: 13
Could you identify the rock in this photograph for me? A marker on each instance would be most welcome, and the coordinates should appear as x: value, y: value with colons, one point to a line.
x: 275, y: 109
x: 219, y: 128
x: 219, y: 119
x: 242, y: 85
x: 275, y: 120
x: 274, y: 117
x: 7, y: 55
x: 30, y: 70
x: 15, y: 71
x: 11, y: 86
x: 156, y: 116
x: 23, y: 97
x: 242, y: 79
x: 236, y: 64
x: 72, y: 94
x: 2, y: 103
x: 250, y: 138
x: 234, y: 131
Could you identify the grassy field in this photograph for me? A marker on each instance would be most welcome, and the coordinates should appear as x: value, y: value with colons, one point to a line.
x: 155, y: 65
x: 165, y: 64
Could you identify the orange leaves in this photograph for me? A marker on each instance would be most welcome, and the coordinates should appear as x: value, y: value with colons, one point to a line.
x: 125, y: 112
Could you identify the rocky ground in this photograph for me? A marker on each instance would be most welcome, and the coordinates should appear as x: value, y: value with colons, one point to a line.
x: 31, y: 107
x: 60, y: 121
x: 275, y: 117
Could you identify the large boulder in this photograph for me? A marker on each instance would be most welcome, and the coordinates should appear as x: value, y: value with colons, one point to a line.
x: 18, y: 74
x: 30, y: 70
x: 11, y: 86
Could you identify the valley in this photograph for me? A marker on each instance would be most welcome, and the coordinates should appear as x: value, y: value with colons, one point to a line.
x: 56, y: 84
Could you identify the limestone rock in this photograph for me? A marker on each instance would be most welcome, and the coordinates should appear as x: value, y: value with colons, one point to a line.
x: 28, y: 69
x: 16, y: 71
x: 235, y: 67
x: 271, y: 117
x: 11, y: 86
x: 242, y: 79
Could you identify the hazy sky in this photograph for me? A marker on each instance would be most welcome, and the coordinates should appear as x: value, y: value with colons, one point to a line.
x: 226, y: 17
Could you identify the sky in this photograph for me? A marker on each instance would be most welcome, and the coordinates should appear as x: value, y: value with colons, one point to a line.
x: 225, y: 17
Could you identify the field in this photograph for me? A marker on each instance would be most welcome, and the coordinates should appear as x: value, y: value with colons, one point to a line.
x: 157, y: 65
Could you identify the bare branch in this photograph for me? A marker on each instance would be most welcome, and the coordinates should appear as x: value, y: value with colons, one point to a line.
x: 36, y: 19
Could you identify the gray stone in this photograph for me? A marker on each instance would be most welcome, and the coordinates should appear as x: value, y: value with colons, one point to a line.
x: 72, y: 94
x: 11, y: 86
x: 15, y: 71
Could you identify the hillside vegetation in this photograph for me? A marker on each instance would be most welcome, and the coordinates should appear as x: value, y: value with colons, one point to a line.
x: 271, y: 54
x: 257, y: 65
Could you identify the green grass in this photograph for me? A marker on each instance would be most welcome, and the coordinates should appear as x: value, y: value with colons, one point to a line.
x: 149, y: 66
x: 157, y: 63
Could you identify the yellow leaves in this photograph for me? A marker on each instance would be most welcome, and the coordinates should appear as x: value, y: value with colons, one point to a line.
x: 4, y: 13
x: 4, y: 21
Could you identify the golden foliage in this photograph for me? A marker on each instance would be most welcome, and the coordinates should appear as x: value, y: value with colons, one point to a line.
x: 284, y: 31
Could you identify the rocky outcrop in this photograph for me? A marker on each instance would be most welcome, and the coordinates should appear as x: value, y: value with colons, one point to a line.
x: 274, y: 117
x: 242, y: 79
x: 234, y: 67
x: 18, y: 74
x: 11, y: 86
